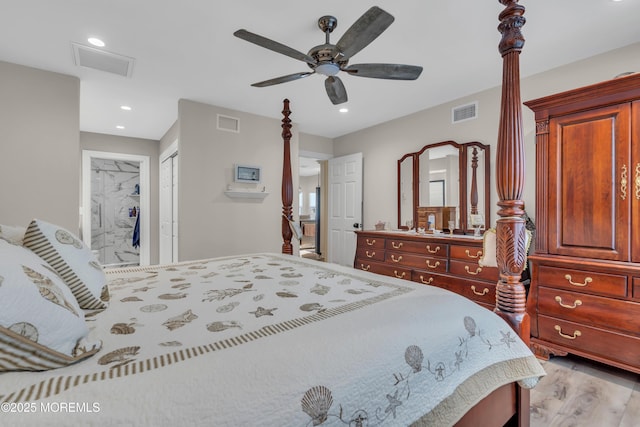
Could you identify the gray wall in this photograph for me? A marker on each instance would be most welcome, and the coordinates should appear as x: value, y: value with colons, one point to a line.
x: 383, y: 144
x: 39, y: 147
x: 142, y: 147
x: 210, y: 223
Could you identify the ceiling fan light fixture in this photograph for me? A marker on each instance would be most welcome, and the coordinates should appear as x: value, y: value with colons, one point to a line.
x: 328, y: 69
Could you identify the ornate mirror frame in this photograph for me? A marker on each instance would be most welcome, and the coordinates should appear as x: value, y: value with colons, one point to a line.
x: 474, y: 185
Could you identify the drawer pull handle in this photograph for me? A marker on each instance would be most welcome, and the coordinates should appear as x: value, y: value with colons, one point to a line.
x: 393, y: 258
x: 399, y: 276
x: 477, y: 255
x: 432, y: 266
x: 365, y: 268
x: 586, y: 280
x: 575, y: 335
x: 426, y: 282
x: 396, y: 245
x: 371, y: 242
x: 623, y: 183
x: 371, y: 255
x: 435, y: 251
x: 484, y: 291
x: 575, y: 304
x: 638, y: 181
x: 478, y: 270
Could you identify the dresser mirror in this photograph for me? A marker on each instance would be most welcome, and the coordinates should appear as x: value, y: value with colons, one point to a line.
x: 445, y: 187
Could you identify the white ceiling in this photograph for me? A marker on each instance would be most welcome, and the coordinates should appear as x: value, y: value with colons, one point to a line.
x: 186, y: 49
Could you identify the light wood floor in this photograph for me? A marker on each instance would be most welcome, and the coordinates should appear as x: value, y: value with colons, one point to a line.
x: 581, y: 393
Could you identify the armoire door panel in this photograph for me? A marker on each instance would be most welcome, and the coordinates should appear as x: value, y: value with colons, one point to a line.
x: 589, y: 214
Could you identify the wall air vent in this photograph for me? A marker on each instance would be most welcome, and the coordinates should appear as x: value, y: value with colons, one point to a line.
x: 463, y: 113
x: 102, y: 60
x: 228, y: 123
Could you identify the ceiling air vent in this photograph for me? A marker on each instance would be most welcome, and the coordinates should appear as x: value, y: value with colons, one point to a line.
x: 97, y: 59
x: 462, y: 113
x: 228, y: 123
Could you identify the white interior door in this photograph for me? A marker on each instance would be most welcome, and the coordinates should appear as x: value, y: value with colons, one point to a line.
x: 169, y: 206
x: 345, y: 207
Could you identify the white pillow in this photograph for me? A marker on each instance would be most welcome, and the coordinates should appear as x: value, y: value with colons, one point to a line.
x: 72, y: 260
x: 12, y: 233
x: 41, y: 325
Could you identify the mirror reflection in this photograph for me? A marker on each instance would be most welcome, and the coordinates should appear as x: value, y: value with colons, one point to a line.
x: 405, y: 191
x: 439, y: 187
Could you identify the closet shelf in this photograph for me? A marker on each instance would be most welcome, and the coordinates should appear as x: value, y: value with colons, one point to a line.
x: 239, y: 194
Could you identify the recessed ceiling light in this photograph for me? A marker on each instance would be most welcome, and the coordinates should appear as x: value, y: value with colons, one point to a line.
x: 125, y: 107
x: 344, y: 110
x: 95, y: 41
x: 119, y: 127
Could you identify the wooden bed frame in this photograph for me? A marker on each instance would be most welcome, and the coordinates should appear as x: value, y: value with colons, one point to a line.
x: 508, y: 405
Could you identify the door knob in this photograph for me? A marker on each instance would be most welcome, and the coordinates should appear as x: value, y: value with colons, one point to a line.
x: 356, y: 225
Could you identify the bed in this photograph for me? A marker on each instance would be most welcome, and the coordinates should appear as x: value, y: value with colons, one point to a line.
x: 271, y: 339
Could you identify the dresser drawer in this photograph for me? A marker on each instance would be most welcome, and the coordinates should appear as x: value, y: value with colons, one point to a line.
x: 370, y: 242
x: 416, y: 261
x: 466, y: 253
x: 590, y: 309
x: 475, y: 290
x: 636, y: 288
x: 374, y: 254
x: 429, y: 278
x: 588, y: 341
x: 417, y: 247
x: 583, y: 281
x: 385, y: 269
x: 471, y: 270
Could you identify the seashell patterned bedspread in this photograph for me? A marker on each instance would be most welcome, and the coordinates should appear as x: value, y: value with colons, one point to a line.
x: 274, y: 340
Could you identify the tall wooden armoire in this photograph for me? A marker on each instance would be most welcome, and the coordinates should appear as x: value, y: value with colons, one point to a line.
x: 585, y: 286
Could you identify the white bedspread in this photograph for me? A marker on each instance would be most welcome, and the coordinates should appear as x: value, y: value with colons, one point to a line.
x: 274, y: 340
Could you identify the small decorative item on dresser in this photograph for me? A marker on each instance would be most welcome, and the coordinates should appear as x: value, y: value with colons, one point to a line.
x: 379, y: 225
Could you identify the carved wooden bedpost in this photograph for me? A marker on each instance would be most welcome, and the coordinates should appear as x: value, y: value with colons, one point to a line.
x: 287, y: 182
x: 510, y: 227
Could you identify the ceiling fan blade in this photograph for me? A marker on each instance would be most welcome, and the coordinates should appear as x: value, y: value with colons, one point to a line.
x: 274, y: 46
x: 335, y: 89
x: 385, y: 71
x: 365, y: 30
x: 283, y: 79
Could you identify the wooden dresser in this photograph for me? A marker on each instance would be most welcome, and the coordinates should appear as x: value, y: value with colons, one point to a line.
x: 585, y: 288
x: 446, y: 262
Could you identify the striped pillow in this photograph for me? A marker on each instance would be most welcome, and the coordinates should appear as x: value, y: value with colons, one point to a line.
x: 72, y: 260
x: 41, y: 325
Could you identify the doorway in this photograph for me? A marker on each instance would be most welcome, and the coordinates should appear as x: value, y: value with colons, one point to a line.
x: 115, y: 207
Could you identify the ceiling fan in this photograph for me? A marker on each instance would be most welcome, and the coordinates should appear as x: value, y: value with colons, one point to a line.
x: 329, y: 59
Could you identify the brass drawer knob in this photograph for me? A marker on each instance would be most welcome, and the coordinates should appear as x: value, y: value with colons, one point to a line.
x: 426, y: 282
x: 365, y: 267
x: 575, y: 303
x: 371, y: 242
x: 587, y: 280
x: 484, y: 291
x: 396, y: 245
x: 394, y: 259
x: 477, y: 255
x: 434, y: 265
x: 399, y: 276
x: 575, y: 335
x: 433, y: 251
x: 370, y: 255
x: 478, y: 270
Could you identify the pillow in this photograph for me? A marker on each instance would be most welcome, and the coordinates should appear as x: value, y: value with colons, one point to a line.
x: 12, y: 234
x: 72, y: 260
x: 41, y: 325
